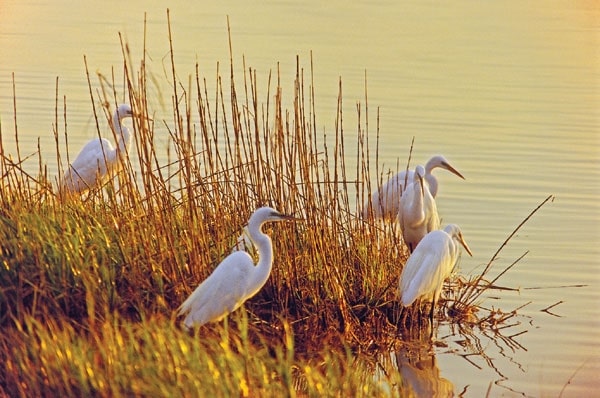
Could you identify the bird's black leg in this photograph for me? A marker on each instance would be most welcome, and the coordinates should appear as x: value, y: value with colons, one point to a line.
x: 403, y: 316
x: 431, y: 317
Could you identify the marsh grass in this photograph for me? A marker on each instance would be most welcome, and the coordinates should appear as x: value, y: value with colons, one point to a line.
x: 89, y: 285
x: 146, y: 358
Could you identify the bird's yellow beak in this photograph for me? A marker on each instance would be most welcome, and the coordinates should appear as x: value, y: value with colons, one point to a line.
x: 285, y: 217
x: 462, y: 242
x: 452, y: 169
x: 291, y: 218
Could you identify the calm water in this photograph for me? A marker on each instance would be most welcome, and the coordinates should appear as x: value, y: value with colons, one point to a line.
x: 508, y: 91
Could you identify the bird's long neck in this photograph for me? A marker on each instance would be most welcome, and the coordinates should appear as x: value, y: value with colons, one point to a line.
x: 454, y: 248
x: 431, y: 164
x: 430, y: 178
x: 418, y: 202
x: 124, y: 137
x: 432, y: 184
x: 265, y: 252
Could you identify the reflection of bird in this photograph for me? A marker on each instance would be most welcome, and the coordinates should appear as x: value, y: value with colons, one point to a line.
x: 98, y: 156
x: 418, y: 213
x: 236, y: 279
x: 421, y: 376
x: 429, y: 265
x: 386, y: 202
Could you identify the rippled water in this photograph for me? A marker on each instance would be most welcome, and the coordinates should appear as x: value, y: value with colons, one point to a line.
x: 507, y: 91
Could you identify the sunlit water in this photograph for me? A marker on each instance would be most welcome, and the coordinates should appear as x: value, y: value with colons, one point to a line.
x: 507, y: 91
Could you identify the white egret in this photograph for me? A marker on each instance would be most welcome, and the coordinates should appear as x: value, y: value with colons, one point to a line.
x: 98, y: 156
x: 418, y: 213
x: 236, y: 278
x: 386, y: 202
x: 429, y: 265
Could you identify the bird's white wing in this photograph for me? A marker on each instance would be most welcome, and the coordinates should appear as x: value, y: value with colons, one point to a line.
x: 92, y: 153
x: 221, y: 293
x: 386, y: 201
x: 388, y: 198
x: 88, y: 164
x: 427, y: 267
x: 416, y: 276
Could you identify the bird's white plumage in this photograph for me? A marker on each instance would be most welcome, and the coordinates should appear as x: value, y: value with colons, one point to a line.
x: 385, y: 203
x: 98, y: 156
x: 430, y: 265
x: 236, y: 278
x: 422, y: 280
x: 418, y: 213
x: 221, y: 293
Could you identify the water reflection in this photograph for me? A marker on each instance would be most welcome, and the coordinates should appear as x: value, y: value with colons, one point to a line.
x: 421, y: 373
x: 488, y: 344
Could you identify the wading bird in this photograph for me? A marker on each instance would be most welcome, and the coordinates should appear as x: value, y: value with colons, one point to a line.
x: 429, y: 265
x: 236, y: 278
x: 418, y: 213
x: 98, y: 156
x: 385, y: 203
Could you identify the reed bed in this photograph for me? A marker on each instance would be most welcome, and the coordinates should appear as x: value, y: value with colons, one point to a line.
x: 89, y: 286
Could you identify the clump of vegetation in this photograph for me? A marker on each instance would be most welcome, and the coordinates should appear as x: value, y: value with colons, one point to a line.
x: 154, y: 358
x: 89, y: 286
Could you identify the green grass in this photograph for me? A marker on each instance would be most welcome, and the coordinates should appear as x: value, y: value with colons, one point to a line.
x: 89, y: 286
x: 155, y: 358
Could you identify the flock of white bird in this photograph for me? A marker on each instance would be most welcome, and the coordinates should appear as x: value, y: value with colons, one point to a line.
x: 434, y: 252
x: 408, y: 198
